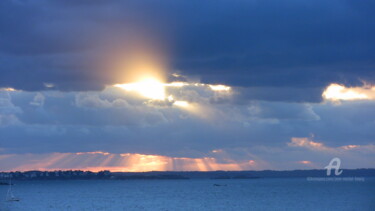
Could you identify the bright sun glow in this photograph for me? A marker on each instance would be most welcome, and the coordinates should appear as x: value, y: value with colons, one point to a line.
x: 154, y: 89
x: 149, y: 88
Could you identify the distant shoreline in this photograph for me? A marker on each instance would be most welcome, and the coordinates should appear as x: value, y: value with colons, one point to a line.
x: 177, y: 175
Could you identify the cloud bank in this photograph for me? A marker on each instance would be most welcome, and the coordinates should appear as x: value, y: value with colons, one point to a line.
x: 195, y: 85
x: 211, y: 130
x: 289, y: 47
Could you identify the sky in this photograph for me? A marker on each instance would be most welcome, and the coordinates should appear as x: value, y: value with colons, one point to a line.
x: 186, y: 85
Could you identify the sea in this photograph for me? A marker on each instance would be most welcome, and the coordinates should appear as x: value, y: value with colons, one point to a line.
x: 193, y: 194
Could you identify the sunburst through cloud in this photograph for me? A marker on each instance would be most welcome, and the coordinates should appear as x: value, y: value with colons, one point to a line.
x: 211, y: 102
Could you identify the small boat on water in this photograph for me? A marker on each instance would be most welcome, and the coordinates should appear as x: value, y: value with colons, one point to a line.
x: 10, y: 196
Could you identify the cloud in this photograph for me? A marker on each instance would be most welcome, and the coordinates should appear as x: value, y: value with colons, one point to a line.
x: 8, y: 111
x: 308, y: 143
x: 38, y: 100
x: 337, y: 92
x: 117, y: 121
x: 241, y: 44
x: 252, y: 76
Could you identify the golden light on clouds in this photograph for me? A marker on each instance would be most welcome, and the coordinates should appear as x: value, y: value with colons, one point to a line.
x: 8, y: 89
x: 349, y: 147
x: 155, y: 89
x: 337, y: 92
x: 309, y: 143
x: 306, y: 142
x: 187, y: 96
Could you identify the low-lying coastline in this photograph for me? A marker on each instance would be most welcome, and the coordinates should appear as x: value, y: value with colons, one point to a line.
x: 175, y: 175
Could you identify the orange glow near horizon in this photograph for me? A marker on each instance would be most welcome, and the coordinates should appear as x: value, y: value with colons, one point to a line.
x: 128, y: 162
x: 304, y: 162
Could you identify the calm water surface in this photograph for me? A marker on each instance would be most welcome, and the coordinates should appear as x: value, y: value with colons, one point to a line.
x: 257, y: 194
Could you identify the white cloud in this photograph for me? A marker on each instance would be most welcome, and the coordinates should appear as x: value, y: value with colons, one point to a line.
x: 38, y: 100
x: 8, y: 111
x: 336, y: 92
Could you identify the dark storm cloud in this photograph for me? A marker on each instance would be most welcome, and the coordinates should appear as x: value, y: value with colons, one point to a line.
x: 275, y: 134
x: 291, y: 45
x: 111, y: 121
